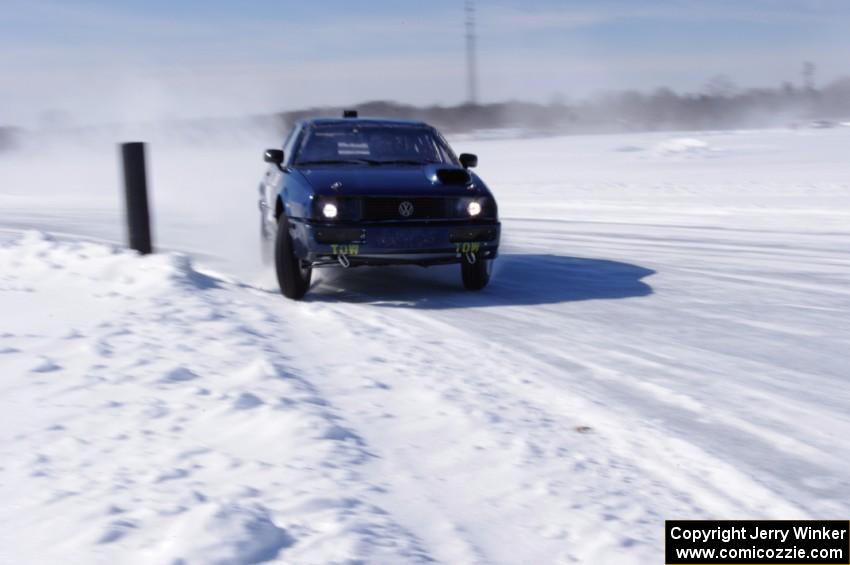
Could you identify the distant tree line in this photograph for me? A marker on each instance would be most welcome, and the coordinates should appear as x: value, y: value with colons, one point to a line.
x: 720, y: 106
x: 8, y: 138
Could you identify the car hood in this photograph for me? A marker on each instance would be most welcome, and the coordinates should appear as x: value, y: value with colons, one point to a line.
x: 365, y: 180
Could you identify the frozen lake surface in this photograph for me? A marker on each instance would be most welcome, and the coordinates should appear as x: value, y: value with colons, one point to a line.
x: 666, y: 336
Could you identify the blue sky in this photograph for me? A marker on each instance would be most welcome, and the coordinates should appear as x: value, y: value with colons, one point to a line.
x: 102, y: 61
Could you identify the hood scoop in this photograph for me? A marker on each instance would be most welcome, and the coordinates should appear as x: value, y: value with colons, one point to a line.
x: 453, y: 176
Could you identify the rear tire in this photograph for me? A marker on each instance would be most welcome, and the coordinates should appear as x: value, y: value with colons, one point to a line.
x: 476, y: 275
x: 292, y: 276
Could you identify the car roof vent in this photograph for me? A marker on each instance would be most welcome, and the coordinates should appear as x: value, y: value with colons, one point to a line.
x: 349, y: 113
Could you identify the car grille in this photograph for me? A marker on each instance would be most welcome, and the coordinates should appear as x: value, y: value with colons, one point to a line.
x: 391, y: 208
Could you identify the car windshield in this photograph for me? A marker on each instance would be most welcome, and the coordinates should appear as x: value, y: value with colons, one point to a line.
x: 340, y: 144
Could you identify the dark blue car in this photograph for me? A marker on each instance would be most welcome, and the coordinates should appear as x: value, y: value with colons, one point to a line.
x: 353, y: 191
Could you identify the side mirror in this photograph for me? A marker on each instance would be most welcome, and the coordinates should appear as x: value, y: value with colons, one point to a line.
x: 274, y: 156
x: 468, y: 160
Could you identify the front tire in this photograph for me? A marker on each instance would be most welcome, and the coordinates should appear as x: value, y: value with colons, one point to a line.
x: 476, y: 275
x: 292, y: 276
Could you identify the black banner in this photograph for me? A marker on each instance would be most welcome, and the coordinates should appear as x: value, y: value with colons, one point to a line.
x: 757, y: 542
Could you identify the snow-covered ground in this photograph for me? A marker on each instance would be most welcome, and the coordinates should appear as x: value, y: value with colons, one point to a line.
x: 666, y: 336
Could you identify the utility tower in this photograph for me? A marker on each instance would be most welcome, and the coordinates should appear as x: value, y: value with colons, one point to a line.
x: 471, y: 71
x: 809, y: 76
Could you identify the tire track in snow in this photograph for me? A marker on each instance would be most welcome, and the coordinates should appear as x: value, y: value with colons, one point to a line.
x: 520, y: 435
x: 653, y: 428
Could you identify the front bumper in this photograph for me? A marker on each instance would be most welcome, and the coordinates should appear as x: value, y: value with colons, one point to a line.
x: 418, y: 243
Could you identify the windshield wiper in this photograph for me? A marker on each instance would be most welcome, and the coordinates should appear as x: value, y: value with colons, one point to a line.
x: 403, y: 162
x: 337, y: 162
x: 374, y: 162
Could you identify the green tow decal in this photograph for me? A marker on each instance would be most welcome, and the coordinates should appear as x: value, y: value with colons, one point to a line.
x: 468, y: 247
x: 350, y: 249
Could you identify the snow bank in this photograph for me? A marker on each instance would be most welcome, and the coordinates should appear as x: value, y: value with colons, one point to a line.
x: 39, y: 255
x: 225, y: 533
x: 149, y: 414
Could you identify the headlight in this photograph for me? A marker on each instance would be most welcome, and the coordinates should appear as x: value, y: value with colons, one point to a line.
x: 473, y: 208
x: 329, y: 210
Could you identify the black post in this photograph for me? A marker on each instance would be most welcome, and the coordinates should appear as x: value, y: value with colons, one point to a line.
x: 136, y: 192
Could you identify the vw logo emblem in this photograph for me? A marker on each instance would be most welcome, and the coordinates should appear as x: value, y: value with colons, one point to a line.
x: 406, y: 209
